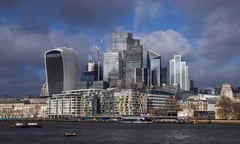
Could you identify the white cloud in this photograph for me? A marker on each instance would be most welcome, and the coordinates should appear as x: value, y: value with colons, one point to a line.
x: 147, y: 10
x: 167, y: 43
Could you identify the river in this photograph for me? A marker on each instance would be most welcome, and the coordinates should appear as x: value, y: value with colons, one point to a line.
x: 120, y: 133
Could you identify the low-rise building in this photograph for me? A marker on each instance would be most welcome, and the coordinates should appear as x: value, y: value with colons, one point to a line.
x: 12, y: 108
x: 130, y: 102
x: 161, y: 102
x: 74, y: 103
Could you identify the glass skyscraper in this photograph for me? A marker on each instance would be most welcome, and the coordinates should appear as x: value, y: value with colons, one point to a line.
x: 179, y: 74
x: 120, y: 41
x: 124, y: 56
x: 112, y: 66
x: 61, y: 65
x: 154, y: 69
x: 134, y: 59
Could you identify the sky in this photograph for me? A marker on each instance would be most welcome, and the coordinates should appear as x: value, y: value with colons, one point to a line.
x: 206, y: 33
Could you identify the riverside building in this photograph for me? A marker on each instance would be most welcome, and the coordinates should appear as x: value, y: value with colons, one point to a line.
x: 74, y: 104
x: 161, y: 102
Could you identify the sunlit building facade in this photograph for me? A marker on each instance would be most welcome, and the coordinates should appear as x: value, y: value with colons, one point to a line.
x: 179, y: 73
x: 74, y: 103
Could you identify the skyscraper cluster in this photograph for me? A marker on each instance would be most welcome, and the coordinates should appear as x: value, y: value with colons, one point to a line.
x: 121, y: 61
x: 122, y: 67
x: 125, y: 87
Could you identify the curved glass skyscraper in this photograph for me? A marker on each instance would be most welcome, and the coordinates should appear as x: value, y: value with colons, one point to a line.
x: 61, y: 66
x: 154, y: 68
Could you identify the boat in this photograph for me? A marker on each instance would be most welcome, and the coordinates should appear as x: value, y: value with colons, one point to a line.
x: 70, y: 134
x: 26, y: 125
x: 136, y: 119
x: 19, y: 125
x: 34, y: 125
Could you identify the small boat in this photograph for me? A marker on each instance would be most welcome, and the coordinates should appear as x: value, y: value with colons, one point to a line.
x: 26, y: 125
x: 34, y: 125
x: 19, y: 125
x: 69, y: 134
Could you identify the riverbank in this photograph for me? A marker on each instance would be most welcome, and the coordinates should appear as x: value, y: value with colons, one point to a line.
x: 216, y: 122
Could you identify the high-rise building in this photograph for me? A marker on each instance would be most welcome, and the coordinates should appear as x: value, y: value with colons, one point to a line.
x: 120, y: 41
x: 164, y: 76
x: 61, y: 65
x: 154, y: 69
x: 178, y: 70
x: 112, y: 64
x: 120, y: 62
x: 133, y: 60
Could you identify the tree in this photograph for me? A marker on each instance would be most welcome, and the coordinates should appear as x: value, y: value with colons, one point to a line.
x: 224, y: 107
x: 227, y: 108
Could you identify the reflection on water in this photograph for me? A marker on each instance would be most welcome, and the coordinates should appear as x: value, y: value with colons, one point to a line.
x: 116, y: 133
x: 179, y: 136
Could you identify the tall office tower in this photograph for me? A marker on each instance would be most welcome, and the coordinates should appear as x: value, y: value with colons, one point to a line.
x: 178, y: 70
x: 154, y: 69
x: 140, y: 77
x: 112, y: 65
x: 128, y: 53
x: 61, y: 65
x: 164, y: 76
x: 120, y: 41
x: 133, y: 60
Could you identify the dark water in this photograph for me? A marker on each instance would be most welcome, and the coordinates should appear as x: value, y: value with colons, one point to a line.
x: 117, y: 133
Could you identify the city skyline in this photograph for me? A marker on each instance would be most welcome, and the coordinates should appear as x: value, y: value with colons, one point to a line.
x: 205, y: 33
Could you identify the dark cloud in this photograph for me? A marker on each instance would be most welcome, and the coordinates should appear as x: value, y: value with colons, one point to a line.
x: 215, y: 25
x: 22, y: 57
x: 20, y: 81
x: 208, y: 41
x: 39, y: 16
x: 29, y: 28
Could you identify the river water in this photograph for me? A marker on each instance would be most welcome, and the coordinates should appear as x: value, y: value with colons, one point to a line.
x: 120, y: 133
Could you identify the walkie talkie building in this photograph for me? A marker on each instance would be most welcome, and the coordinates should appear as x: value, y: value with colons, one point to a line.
x: 61, y: 66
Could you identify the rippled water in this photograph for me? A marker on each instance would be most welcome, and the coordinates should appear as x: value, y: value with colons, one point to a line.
x: 118, y: 133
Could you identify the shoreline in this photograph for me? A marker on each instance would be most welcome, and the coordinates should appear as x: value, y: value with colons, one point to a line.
x: 216, y: 121
x: 90, y: 121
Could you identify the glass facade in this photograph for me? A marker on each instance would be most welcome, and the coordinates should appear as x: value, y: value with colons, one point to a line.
x: 112, y: 64
x: 124, y: 63
x: 134, y: 58
x: 61, y: 65
x: 54, y: 72
x: 120, y: 41
x: 160, y: 102
x: 154, y: 67
x: 177, y: 68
